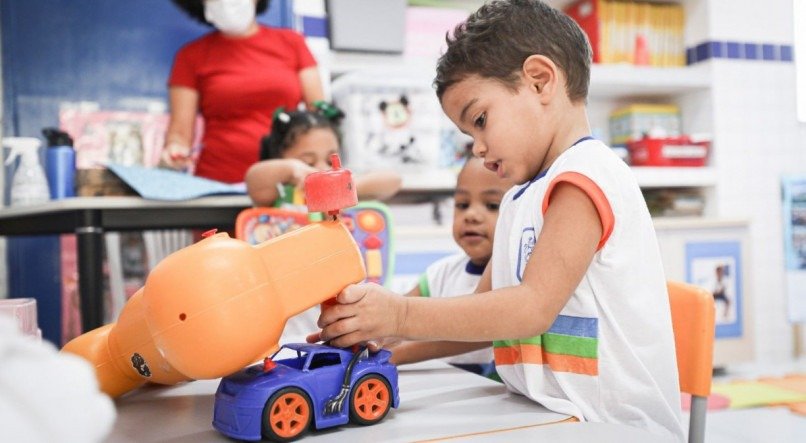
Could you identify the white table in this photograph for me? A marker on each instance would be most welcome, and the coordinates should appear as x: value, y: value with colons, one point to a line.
x: 90, y: 217
x: 437, y: 401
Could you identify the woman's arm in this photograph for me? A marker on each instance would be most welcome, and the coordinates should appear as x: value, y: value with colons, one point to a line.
x: 311, y: 84
x: 179, y: 137
x: 377, y: 185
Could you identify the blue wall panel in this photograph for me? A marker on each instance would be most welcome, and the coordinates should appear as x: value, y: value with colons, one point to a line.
x: 105, y: 51
x: 116, y: 53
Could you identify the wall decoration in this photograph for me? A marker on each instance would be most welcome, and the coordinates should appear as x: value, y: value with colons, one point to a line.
x: 716, y: 266
x: 794, y: 229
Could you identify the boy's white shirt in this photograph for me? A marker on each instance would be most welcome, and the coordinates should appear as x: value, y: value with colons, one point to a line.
x: 623, y: 295
x: 448, y: 277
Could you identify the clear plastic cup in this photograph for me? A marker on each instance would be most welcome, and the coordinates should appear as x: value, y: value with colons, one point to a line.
x: 23, y: 311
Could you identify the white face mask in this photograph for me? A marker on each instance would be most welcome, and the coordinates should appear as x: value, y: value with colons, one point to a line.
x: 230, y: 16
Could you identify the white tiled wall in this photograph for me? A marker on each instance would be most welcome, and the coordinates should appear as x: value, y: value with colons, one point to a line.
x: 748, y: 20
x: 757, y: 140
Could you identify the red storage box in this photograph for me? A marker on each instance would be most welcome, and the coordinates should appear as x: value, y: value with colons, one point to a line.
x: 671, y: 151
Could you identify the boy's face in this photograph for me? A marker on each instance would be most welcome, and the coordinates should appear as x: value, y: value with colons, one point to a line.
x: 510, y: 130
x: 476, y: 199
x: 314, y: 148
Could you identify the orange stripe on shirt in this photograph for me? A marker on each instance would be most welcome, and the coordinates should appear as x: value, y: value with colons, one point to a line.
x: 594, y: 193
x: 533, y: 354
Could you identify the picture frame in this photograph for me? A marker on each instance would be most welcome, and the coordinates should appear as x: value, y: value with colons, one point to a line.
x: 717, y: 267
x: 793, y: 205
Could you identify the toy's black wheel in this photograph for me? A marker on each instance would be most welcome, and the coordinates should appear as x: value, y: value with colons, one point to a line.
x: 287, y: 415
x: 370, y: 400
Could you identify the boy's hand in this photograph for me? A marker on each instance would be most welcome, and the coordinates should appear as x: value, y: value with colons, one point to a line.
x: 366, y: 312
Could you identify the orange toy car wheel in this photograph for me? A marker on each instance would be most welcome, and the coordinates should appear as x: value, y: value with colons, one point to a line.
x: 370, y: 400
x: 287, y: 415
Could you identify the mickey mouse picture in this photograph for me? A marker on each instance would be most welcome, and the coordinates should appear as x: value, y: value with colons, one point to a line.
x: 397, y: 139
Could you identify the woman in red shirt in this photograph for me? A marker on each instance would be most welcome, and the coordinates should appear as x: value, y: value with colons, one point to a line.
x: 235, y: 77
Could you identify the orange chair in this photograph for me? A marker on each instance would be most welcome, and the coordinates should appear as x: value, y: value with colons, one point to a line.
x: 693, y: 324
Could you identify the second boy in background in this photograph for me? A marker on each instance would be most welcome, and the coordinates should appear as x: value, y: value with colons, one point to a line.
x: 477, y: 197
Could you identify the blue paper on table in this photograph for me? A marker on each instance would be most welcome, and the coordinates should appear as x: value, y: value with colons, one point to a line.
x: 164, y: 184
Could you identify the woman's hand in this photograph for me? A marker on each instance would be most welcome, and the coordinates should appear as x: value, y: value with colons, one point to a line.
x: 176, y: 156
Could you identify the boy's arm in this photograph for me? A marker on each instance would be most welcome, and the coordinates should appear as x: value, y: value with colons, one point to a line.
x: 377, y: 185
x: 417, y: 351
x: 263, y: 177
x: 565, y: 248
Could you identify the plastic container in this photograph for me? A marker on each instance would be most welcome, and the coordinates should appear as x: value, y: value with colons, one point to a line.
x: 670, y: 151
x: 633, y: 122
x: 23, y: 311
x: 29, y: 184
x: 60, y: 163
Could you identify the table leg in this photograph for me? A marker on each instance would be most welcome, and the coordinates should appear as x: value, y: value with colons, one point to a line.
x: 89, y: 241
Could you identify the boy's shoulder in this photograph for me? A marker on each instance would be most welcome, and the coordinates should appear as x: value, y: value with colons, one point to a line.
x: 586, y: 155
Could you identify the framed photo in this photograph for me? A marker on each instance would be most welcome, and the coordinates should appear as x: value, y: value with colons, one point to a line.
x: 716, y: 266
x: 793, y: 205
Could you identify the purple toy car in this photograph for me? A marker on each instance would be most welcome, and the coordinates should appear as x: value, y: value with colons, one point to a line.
x: 318, y: 385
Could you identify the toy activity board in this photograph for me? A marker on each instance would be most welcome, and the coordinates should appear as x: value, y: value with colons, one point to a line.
x: 370, y: 223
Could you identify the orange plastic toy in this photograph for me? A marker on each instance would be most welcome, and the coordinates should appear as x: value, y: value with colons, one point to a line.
x: 216, y: 306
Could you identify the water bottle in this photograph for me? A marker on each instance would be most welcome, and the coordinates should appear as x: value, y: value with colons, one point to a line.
x: 60, y: 163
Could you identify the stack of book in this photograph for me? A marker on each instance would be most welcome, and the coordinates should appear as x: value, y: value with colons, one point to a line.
x: 639, y: 33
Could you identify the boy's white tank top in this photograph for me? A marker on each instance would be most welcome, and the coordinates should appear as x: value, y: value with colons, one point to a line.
x: 610, y: 355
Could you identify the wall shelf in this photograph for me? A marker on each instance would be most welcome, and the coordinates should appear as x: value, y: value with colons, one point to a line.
x: 441, y: 184
x: 625, y: 81
x: 342, y: 62
x: 674, y: 177
x: 607, y: 81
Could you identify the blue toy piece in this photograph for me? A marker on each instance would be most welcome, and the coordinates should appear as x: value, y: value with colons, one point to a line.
x: 371, y: 225
x: 321, y: 386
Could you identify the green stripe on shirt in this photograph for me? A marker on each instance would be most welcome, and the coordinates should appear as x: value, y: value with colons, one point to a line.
x: 423, y: 285
x: 558, y: 344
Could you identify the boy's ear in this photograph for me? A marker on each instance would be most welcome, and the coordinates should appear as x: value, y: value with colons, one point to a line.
x: 541, y: 75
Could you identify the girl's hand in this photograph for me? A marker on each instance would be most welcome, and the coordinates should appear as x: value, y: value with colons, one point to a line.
x: 365, y: 313
x: 176, y: 156
x: 297, y: 171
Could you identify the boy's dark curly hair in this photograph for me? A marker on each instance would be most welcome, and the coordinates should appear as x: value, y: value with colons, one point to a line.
x: 288, y: 126
x: 195, y: 8
x: 496, y: 39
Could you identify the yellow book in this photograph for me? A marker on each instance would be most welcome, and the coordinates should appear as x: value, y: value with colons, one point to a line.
x: 621, y: 55
x: 631, y: 18
x: 642, y: 34
x: 679, y: 29
x: 665, y: 27
x: 655, y: 34
x: 605, y: 31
